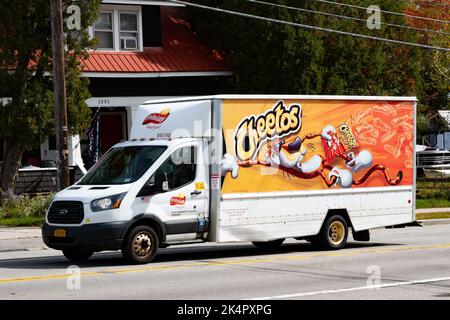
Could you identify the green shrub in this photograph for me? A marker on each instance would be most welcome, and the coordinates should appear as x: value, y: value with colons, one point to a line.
x: 433, y: 190
x: 25, y: 206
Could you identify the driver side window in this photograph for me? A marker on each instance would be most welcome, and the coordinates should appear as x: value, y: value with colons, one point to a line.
x: 177, y: 171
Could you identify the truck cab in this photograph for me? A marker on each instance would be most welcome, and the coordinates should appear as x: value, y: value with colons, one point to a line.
x: 141, y: 195
x: 148, y: 192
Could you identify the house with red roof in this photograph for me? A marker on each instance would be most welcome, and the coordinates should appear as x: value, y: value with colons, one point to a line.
x: 145, y: 50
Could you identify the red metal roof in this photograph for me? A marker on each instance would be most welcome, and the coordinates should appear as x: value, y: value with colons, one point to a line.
x: 180, y: 52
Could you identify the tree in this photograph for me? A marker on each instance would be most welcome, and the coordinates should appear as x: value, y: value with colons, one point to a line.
x: 25, y: 77
x: 265, y: 57
x: 272, y: 58
x: 268, y: 57
x: 436, y: 64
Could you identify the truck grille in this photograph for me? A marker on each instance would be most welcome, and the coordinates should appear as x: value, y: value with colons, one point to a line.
x: 66, y: 212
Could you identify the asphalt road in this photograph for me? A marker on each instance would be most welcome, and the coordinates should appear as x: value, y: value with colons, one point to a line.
x: 410, y: 263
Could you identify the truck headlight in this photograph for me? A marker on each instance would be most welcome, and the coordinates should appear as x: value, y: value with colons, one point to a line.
x: 107, y: 203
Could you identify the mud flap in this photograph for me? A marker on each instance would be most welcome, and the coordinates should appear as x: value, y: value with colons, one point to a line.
x: 363, y: 235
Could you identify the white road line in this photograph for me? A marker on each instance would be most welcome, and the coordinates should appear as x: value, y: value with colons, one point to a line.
x: 380, y: 286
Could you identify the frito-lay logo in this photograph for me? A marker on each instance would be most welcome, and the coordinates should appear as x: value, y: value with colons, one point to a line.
x: 348, y: 136
x: 179, y: 200
x: 275, y: 123
x: 157, y: 118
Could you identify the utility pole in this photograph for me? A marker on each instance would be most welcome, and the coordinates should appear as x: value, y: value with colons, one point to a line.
x: 59, y: 81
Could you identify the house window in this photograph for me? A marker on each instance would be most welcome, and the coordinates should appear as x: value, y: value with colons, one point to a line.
x: 103, y: 30
x: 118, y: 28
x: 129, y: 32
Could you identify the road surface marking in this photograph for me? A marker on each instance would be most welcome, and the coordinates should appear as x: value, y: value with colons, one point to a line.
x: 273, y: 258
x: 47, y: 277
x: 380, y: 286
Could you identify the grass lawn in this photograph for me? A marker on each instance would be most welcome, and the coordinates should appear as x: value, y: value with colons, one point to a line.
x: 437, y: 215
x: 432, y: 203
x: 22, y: 222
x: 24, y: 210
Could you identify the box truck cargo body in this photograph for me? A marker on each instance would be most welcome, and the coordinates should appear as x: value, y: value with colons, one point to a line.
x: 244, y: 169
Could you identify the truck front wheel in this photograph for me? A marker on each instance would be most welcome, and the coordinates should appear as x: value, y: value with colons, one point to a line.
x: 77, y: 255
x: 333, y: 234
x: 141, y: 245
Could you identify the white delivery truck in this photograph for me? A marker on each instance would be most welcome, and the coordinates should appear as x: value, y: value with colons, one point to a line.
x: 244, y: 169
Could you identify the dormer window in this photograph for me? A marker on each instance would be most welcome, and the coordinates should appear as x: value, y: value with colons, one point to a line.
x: 118, y: 28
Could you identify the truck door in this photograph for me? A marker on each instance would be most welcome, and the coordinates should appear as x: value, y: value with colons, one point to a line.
x: 182, y: 197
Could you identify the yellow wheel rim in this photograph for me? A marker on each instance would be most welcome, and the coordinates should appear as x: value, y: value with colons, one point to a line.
x: 142, y: 244
x: 336, y: 233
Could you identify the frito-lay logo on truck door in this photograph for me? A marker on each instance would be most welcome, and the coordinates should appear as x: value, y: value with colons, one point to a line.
x: 178, y: 200
x: 255, y: 129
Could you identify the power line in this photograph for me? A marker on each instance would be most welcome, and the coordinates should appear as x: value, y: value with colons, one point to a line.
x: 344, y: 17
x: 384, y: 11
x: 246, y: 15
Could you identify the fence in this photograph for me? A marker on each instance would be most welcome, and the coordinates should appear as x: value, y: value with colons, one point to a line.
x: 41, y: 180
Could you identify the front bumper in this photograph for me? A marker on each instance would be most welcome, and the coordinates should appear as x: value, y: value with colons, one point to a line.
x: 95, y: 237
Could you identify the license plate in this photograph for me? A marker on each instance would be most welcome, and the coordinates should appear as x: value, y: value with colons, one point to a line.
x: 60, y: 233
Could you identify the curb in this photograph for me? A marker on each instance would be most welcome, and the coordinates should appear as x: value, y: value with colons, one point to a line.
x: 23, y: 227
x: 432, y: 210
x: 23, y: 249
x: 434, y: 222
x: 19, y: 233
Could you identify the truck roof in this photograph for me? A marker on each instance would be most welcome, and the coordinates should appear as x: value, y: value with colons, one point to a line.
x: 280, y: 96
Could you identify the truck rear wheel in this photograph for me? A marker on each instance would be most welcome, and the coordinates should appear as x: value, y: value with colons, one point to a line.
x: 77, y: 255
x: 269, y: 244
x: 141, y: 245
x: 333, y: 235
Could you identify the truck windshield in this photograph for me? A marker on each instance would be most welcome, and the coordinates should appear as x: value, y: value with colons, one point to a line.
x: 123, y: 165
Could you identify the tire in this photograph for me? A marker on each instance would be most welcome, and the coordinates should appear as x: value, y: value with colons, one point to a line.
x: 141, y: 245
x: 333, y: 235
x: 268, y: 244
x: 77, y: 255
